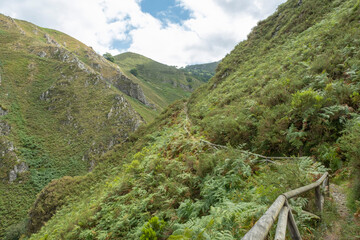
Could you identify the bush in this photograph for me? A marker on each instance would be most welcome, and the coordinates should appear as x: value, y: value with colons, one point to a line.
x: 109, y: 57
x: 350, y: 144
x: 153, y: 229
x: 14, y: 232
x: 134, y: 72
x: 307, y: 103
x: 328, y: 155
x: 50, y: 199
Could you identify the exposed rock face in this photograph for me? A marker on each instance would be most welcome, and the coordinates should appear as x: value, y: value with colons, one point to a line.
x: 186, y: 87
x: 124, y: 119
x: 42, y: 54
x: 8, y: 23
x: 120, y: 81
x: 121, y: 111
x: 2, y: 111
x: 50, y: 40
x: 18, y: 169
x: 4, y: 128
x: 130, y: 88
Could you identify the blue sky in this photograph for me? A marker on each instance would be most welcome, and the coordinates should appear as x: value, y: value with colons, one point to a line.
x: 174, y: 32
x: 165, y: 10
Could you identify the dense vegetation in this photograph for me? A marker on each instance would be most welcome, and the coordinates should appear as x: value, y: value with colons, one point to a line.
x: 58, y: 110
x: 161, y: 83
x: 171, y: 184
x: 292, y: 88
x: 202, y: 71
x: 296, y: 80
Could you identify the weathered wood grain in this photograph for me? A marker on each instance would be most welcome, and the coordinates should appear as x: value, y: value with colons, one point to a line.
x: 262, y: 227
x: 282, y: 223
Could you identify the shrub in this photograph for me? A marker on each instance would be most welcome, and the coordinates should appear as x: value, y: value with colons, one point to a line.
x: 50, y: 199
x: 350, y: 144
x: 109, y: 57
x: 14, y: 232
x: 134, y: 72
x: 153, y: 229
x: 328, y: 155
x: 306, y: 103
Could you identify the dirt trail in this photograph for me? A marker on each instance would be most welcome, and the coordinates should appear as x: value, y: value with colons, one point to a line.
x: 339, y: 197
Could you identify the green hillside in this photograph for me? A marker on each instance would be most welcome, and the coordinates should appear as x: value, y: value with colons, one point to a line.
x: 162, y: 84
x: 61, y: 106
x: 202, y: 72
x: 292, y: 88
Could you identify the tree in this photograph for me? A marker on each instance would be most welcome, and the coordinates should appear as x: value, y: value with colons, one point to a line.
x: 109, y: 57
x: 134, y: 72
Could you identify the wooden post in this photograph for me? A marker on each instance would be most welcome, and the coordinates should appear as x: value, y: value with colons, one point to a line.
x: 298, y: 191
x: 262, y: 227
x: 318, y: 199
x: 281, y: 225
x: 293, y: 229
x: 328, y: 187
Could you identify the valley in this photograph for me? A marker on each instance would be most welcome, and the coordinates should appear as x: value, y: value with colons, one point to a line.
x: 135, y: 149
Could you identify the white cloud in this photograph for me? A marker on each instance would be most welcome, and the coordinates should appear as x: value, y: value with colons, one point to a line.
x: 214, y: 28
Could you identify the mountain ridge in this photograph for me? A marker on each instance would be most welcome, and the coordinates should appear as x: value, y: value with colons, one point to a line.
x: 56, y: 91
x: 291, y: 88
x: 163, y: 83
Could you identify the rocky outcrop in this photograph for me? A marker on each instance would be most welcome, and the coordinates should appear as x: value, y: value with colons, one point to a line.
x: 2, y: 111
x: 7, y: 152
x: 50, y: 40
x: 119, y: 80
x: 18, y: 169
x: 186, y: 87
x: 7, y: 158
x: 97, y: 63
x: 125, y: 85
x: 4, y: 128
x: 124, y: 119
x: 7, y: 22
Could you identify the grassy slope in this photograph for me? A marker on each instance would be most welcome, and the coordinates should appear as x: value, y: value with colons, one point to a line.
x: 53, y: 134
x: 202, y: 71
x: 290, y: 88
x: 295, y: 79
x: 187, y: 188
x: 161, y: 83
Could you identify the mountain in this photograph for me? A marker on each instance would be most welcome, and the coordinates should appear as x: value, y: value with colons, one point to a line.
x: 61, y: 104
x: 291, y: 88
x: 202, y: 71
x: 162, y: 84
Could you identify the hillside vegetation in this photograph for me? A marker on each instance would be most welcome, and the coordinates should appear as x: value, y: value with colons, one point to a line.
x: 202, y: 71
x: 61, y: 104
x: 162, y: 84
x: 292, y: 88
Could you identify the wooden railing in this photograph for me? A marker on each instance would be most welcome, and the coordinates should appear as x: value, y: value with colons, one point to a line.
x: 281, y: 208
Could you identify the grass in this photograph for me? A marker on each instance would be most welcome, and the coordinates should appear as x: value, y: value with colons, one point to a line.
x: 161, y: 83
x: 169, y: 183
x: 290, y: 89
x: 59, y: 134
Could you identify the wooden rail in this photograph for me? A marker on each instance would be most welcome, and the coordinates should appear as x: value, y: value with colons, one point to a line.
x: 281, y: 208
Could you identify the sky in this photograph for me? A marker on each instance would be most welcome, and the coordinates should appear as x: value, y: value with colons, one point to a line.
x: 174, y: 32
